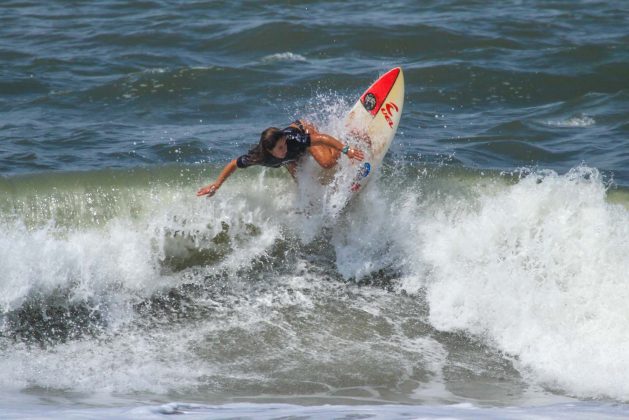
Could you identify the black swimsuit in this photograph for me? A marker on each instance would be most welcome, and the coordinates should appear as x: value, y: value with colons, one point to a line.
x: 297, y: 142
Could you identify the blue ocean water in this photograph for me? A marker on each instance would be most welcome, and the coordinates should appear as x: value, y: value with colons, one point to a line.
x: 483, y: 273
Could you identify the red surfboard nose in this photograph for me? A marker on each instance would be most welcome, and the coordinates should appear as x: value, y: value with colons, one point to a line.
x: 374, y: 97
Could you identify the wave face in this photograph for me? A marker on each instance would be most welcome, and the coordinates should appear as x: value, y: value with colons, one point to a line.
x: 124, y: 281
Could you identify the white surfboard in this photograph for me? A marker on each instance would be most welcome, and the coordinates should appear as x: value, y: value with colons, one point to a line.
x: 373, y: 121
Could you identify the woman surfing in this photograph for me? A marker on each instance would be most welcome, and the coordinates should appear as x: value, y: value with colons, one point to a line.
x: 285, y: 148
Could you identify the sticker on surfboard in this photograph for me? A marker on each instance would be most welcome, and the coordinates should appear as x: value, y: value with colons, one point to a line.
x: 369, y: 101
x: 363, y: 172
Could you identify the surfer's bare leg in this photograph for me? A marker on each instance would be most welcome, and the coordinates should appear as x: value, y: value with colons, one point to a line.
x: 325, y: 156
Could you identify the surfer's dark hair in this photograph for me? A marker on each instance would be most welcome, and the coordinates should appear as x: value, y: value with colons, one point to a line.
x: 268, y: 139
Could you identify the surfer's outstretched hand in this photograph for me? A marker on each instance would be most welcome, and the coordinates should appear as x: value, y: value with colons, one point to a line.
x: 209, y: 191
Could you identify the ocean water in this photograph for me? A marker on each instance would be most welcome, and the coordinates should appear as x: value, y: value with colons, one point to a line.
x: 483, y: 273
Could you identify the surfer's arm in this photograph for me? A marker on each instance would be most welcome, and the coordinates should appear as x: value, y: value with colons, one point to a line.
x: 211, y: 189
x: 317, y: 139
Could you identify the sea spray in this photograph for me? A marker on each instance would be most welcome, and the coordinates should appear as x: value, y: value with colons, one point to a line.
x: 429, y: 276
x: 540, y: 271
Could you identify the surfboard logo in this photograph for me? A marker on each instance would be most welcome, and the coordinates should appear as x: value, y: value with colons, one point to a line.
x: 388, y: 110
x: 370, y: 101
x: 364, y: 171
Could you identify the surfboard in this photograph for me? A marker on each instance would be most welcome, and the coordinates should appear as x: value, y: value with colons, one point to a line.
x: 372, y: 122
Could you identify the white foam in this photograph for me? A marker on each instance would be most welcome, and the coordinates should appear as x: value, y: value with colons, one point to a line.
x: 122, y: 256
x: 116, y: 265
x: 368, y: 241
x: 540, y: 269
x: 284, y: 57
x: 89, y: 261
x: 268, y: 411
x: 573, y: 122
x: 156, y: 361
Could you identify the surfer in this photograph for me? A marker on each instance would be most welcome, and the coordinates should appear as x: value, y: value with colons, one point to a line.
x: 284, y: 148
